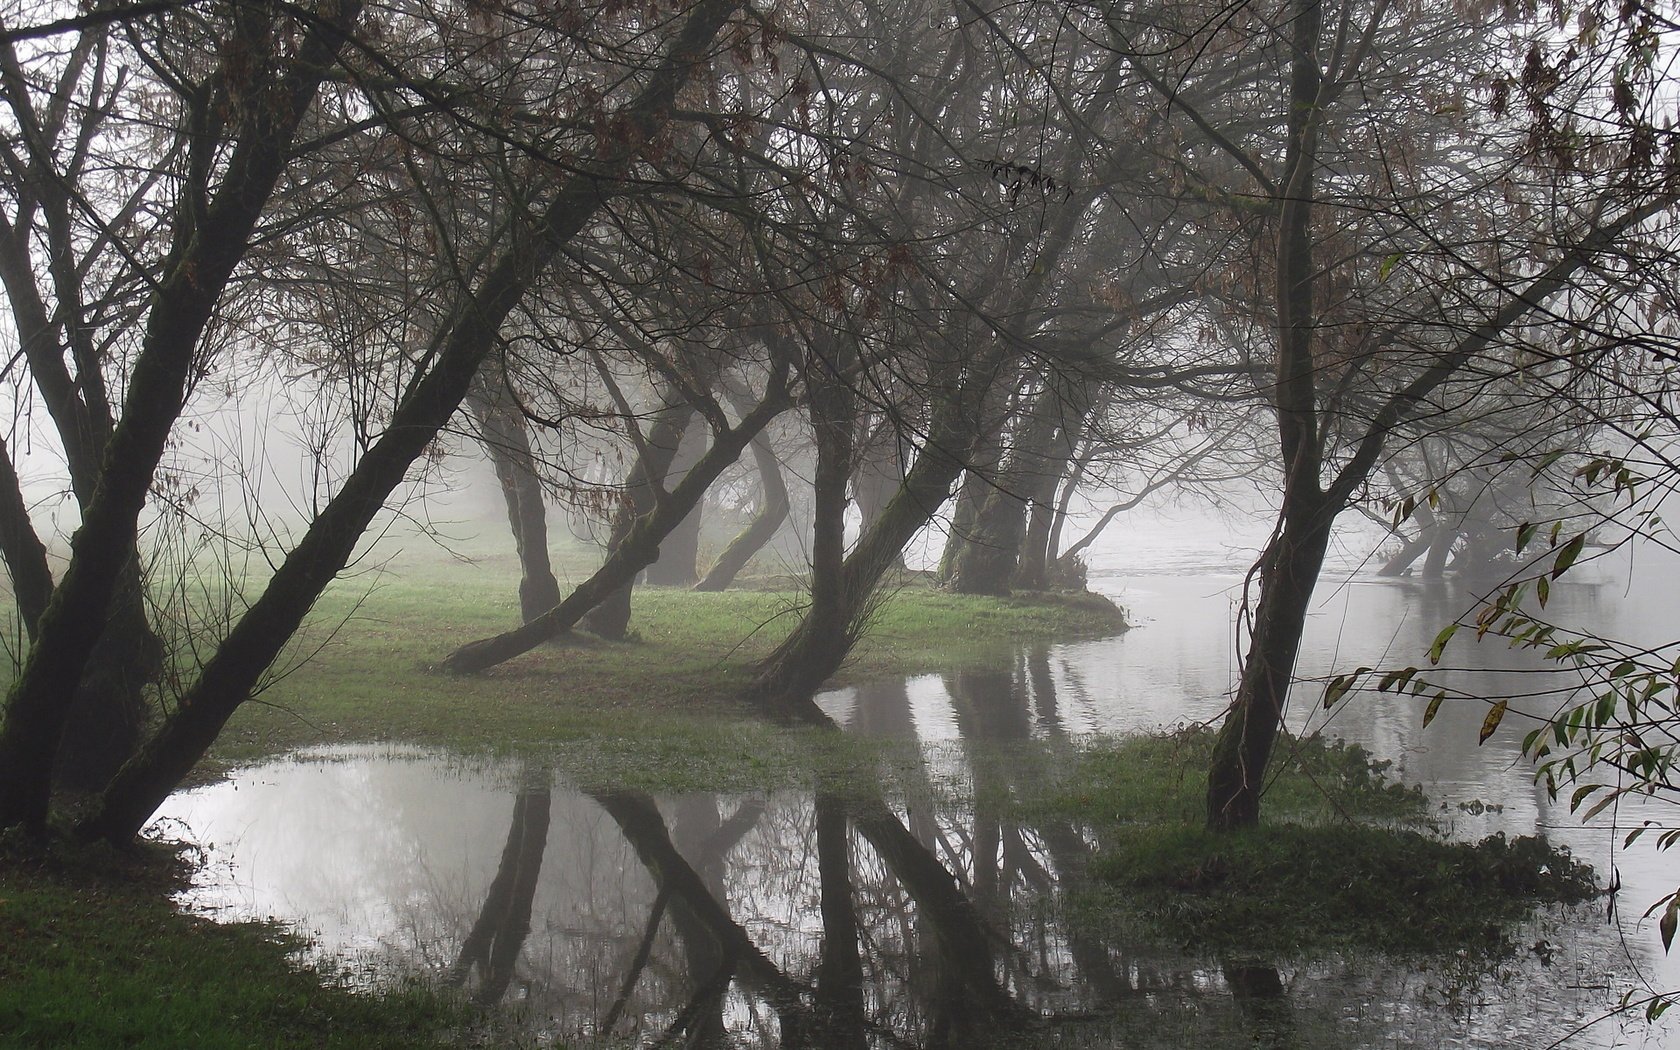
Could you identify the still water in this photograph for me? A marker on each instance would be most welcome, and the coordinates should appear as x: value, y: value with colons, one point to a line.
x: 792, y: 916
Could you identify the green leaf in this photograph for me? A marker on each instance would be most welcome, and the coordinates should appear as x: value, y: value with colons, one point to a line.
x: 1605, y: 709
x: 1434, y: 708
x: 1671, y: 916
x: 1566, y: 557
x: 1388, y: 266
x: 1598, y: 807
x: 1396, y: 680
x: 1337, y: 689
x: 1340, y: 685
x: 1543, y: 588
x: 1495, y: 714
x: 1525, y: 532
x: 1441, y: 641
x: 1581, y: 794
x: 1547, y: 460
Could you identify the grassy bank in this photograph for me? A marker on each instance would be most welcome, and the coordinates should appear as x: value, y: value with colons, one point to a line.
x: 360, y: 672
x: 93, y: 956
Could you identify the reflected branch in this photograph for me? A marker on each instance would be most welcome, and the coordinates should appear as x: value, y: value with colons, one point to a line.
x: 638, y: 962
x: 492, y: 945
x: 644, y: 827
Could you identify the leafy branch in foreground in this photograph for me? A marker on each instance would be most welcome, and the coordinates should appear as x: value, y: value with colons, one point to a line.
x: 1616, y: 735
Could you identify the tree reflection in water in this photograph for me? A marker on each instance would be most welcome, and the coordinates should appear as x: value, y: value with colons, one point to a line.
x: 492, y: 946
x: 835, y: 920
x: 923, y: 914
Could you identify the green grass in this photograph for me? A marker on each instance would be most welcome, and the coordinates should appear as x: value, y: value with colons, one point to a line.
x: 360, y: 670
x: 1345, y: 860
x: 1162, y: 779
x: 92, y: 957
x: 91, y: 954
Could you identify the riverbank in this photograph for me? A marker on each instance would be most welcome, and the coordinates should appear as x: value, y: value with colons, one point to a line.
x: 361, y: 670
x: 92, y: 954
x: 1127, y: 865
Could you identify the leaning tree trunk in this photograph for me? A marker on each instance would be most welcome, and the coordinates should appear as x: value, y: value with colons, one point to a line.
x: 506, y: 436
x: 251, y: 646
x: 1064, y: 502
x: 109, y: 709
x: 1441, y: 538
x: 637, y: 550
x: 1412, y: 550
x: 197, y: 271
x: 789, y: 676
x: 1288, y: 572
x: 679, y: 554
x: 772, y: 511
x: 25, y: 556
x: 108, y: 715
x: 833, y: 408
x: 1289, y: 566
x: 610, y: 618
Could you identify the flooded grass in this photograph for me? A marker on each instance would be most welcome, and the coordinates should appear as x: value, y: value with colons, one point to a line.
x: 1345, y: 860
x: 1289, y: 891
x: 1161, y: 778
x: 1199, y: 940
x: 361, y: 672
x: 93, y: 956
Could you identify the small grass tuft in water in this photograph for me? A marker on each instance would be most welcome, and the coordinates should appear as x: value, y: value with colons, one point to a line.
x: 1345, y: 860
x: 1161, y: 778
x: 1285, y: 890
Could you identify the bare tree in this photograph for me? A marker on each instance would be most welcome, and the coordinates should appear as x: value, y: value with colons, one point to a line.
x: 1405, y: 260
x: 270, y: 70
